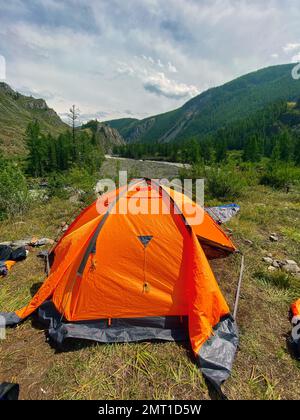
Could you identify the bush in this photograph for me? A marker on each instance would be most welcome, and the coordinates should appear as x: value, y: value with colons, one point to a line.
x: 280, y: 176
x: 77, y: 181
x: 81, y: 179
x: 224, y: 184
x: 14, y: 196
x: 57, y: 186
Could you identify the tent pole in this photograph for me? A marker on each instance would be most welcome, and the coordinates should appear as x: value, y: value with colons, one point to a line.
x: 238, y: 291
x: 47, y: 265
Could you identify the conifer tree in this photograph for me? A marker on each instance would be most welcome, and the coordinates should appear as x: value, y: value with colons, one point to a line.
x: 37, y: 156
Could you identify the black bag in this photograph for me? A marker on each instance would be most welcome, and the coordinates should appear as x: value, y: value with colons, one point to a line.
x: 9, y: 392
x: 18, y: 254
x: 5, y: 252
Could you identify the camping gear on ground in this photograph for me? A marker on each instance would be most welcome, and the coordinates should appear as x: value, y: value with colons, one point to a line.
x: 42, y: 242
x: 222, y: 214
x: 118, y: 276
x: 5, y: 252
x: 5, y: 267
x: 3, y: 270
x: 18, y: 254
x: 295, y: 319
x: 34, y: 242
x: 295, y: 308
x: 45, y: 256
x: 9, y: 392
x: 8, y: 253
x: 9, y: 256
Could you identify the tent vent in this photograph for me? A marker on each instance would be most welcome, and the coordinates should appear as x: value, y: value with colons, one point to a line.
x: 145, y: 240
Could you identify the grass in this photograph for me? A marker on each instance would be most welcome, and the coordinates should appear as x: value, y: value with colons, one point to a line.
x: 263, y: 368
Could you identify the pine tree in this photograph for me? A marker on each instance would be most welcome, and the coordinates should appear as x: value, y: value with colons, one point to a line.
x: 275, y: 156
x: 251, y: 151
x: 73, y: 116
x: 286, y: 146
x: 37, y: 156
x: 221, y: 146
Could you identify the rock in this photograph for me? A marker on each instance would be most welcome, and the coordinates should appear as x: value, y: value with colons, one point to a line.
x: 270, y: 255
x: 65, y: 228
x: 248, y: 242
x: 268, y: 260
x: 274, y: 237
x: 37, y: 104
x: 276, y: 264
x: 290, y: 262
x: 271, y: 268
x: 281, y: 263
x: 291, y: 268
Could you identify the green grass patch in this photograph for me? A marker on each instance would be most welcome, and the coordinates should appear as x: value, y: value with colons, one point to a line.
x: 278, y: 279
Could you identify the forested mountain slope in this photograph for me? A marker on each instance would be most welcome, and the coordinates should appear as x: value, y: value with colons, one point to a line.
x: 214, y: 108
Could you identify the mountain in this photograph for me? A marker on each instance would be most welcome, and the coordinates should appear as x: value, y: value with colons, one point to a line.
x: 16, y: 111
x: 104, y: 135
x: 214, y: 108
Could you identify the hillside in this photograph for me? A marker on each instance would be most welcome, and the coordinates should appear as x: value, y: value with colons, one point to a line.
x: 104, y: 135
x: 214, y: 108
x: 16, y: 111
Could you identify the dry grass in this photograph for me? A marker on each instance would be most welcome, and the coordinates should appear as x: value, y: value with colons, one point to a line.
x: 263, y: 367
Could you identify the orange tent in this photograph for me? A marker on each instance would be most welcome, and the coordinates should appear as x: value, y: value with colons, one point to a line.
x: 121, y: 276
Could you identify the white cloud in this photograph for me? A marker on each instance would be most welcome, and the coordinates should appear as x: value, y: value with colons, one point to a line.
x: 160, y: 85
x: 108, y: 55
x: 155, y: 81
x: 290, y: 47
x: 172, y: 68
x: 2, y: 68
x: 296, y: 58
x: 124, y: 69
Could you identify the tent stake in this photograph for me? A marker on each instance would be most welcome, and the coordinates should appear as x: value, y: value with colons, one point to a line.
x: 238, y: 291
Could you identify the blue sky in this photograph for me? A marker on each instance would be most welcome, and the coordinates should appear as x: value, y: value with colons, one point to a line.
x: 134, y: 58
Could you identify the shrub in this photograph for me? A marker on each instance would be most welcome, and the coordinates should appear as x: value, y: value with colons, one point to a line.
x: 82, y: 183
x: 224, y: 184
x: 81, y: 179
x: 14, y: 196
x: 77, y: 181
x: 280, y: 176
x: 57, y: 186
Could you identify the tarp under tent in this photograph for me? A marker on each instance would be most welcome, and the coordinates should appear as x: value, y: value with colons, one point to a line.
x: 120, y: 276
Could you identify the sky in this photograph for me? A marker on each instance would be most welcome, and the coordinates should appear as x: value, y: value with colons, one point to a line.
x: 135, y: 58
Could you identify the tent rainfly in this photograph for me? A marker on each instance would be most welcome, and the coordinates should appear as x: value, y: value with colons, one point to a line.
x: 126, y: 277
